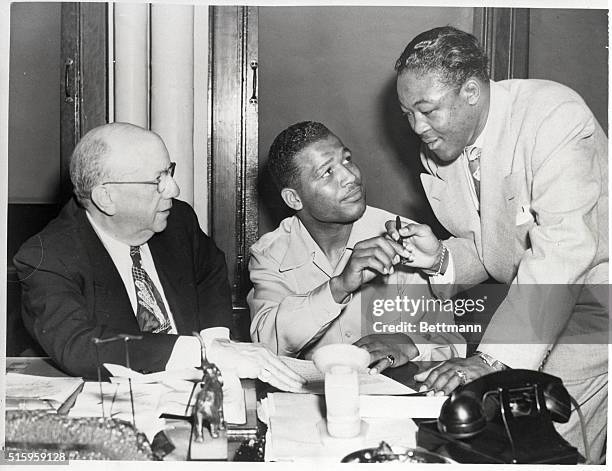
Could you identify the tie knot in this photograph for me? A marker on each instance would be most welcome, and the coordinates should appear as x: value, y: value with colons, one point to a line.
x: 135, y: 253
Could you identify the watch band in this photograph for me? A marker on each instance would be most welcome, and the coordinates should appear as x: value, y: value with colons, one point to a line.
x: 489, y: 360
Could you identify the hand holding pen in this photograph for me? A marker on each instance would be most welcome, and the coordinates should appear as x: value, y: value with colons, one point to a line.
x: 369, y: 258
x: 400, y: 239
x: 419, y: 241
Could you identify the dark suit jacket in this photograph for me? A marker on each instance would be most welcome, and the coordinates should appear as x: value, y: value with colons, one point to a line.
x: 72, y: 291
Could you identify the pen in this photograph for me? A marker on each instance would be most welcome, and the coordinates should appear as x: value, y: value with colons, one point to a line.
x: 398, y: 226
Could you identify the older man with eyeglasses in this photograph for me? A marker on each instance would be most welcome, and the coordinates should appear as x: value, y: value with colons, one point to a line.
x: 125, y: 257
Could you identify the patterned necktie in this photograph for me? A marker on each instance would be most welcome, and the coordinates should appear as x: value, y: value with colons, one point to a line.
x: 151, y: 312
x: 473, y: 155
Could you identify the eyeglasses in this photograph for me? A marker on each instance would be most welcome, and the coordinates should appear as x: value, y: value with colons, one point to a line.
x: 161, y: 181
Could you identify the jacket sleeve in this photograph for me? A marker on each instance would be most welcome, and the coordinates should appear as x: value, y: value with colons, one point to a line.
x: 214, y: 292
x: 57, y: 308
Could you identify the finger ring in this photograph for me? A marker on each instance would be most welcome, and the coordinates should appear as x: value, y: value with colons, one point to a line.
x: 391, y: 359
x: 462, y: 376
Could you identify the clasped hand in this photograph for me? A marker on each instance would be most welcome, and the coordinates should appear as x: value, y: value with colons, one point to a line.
x: 369, y: 258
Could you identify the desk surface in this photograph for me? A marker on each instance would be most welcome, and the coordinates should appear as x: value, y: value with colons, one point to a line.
x: 41, y: 366
x: 180, y: 430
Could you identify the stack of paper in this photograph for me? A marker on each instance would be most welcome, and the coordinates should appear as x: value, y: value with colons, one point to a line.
x: 297, y: 429
x: 295, y: 423
x: 368, y: 384
x: 39, y: 392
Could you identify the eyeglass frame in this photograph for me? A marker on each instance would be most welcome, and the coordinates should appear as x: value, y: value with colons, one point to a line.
x: 169, y: 172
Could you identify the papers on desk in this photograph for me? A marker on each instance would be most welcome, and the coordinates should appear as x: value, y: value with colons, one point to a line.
x: 39, y: 392
x: 169, y: 377
x: 155, y: 394
x: 296, y: 420
x: 117, y: 404
x: 293, y: 430
x: 180, y: 384
x: 368, y: 384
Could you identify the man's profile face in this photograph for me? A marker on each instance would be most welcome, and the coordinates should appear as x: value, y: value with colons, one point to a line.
x: 440, y: 115
x: 330, y: 185
x: 141, y: 210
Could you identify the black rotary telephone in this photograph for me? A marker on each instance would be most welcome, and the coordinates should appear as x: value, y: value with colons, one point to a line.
x: 503, y: 417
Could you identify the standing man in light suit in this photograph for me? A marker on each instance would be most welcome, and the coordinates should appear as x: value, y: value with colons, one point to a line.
x: 517, y: 172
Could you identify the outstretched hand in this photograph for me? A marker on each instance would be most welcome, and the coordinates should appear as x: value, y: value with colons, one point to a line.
x: 370, y: 257
x: 447, y: 376
x: 253, y: 360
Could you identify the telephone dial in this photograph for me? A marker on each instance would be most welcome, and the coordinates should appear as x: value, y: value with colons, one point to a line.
x: 503, y: 417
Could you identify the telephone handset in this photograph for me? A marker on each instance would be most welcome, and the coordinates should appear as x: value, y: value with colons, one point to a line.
x: 504, y: 417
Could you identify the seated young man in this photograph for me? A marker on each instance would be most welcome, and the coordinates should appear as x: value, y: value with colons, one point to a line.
x: 310, y: 274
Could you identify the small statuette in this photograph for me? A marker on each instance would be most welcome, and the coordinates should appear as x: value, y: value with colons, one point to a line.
x: 208, y: 408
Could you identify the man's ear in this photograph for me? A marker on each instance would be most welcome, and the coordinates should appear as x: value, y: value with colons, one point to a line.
x: 291, y: 198
x: 472, y: 90
x: 103, y: 200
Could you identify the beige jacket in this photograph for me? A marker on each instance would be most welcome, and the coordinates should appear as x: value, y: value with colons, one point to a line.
x: 543, y: 221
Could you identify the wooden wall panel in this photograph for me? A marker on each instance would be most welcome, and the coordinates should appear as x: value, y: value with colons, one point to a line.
x: 504, y: 34
x: 233, y: 144
x: 84, y: 83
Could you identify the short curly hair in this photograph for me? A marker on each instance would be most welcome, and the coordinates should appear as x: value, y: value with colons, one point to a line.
x: 282, y: 162
x: 451, y: 54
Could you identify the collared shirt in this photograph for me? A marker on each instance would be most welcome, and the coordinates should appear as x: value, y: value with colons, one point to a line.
x: 186, y: 351
x: 120, y: 254
x: 292, y: 308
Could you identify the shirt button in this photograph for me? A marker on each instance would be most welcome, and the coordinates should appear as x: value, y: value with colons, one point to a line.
x: 348, y: 335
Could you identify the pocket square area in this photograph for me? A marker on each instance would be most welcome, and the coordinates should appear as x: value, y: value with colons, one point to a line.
x: 523, y: 216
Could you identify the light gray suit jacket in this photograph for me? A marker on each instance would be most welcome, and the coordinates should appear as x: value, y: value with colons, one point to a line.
x: 543, y: 221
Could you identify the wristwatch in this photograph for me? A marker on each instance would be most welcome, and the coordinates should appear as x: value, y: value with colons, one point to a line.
x: 492, y: 362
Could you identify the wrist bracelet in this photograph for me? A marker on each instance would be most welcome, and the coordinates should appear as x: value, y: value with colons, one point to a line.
x: 441, y: 263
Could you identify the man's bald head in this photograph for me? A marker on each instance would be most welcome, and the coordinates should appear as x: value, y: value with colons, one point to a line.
x: 91, y: 161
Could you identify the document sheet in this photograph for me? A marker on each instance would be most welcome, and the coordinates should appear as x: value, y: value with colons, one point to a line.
x: 368, y: 384
x: 296, y: 430
x: 38, y: 392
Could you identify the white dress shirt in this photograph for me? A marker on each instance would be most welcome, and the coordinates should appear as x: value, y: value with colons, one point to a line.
x: 120, y: 254
x: 186, y: 351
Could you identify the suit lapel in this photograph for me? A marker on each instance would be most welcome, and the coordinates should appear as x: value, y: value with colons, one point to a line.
x: 169, y: 255
x: 110, y: 294
x: 448, y: 193
x: 499, y: 198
